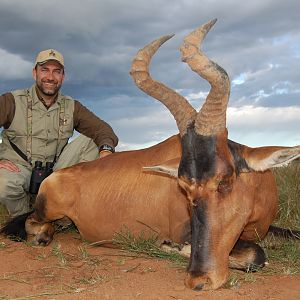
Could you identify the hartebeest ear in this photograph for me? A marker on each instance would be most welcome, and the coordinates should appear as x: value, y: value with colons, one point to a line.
x: 263, y: 158
x: 169, y: 168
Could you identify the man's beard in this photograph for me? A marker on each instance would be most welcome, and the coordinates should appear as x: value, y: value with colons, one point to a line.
x: 48, y: 91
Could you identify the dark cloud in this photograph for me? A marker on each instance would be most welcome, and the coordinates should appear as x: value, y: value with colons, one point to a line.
x: 258, y: 41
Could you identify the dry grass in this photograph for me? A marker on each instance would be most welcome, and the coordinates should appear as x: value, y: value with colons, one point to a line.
x: 284, y: 255
x: 288, y: 182
x: 146, y: 246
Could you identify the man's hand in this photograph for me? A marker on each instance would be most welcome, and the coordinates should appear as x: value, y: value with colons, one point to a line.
x: 104, y: 153
x: 8, y: 165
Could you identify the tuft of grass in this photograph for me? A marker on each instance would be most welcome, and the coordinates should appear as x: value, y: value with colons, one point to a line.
x: 57, y: 251
x: 284, y: 254
x: 234, y: 281
x: 288, y: 185
x: 3, y: 245
x: 92, y: 279
x: 143, y: 245
x: 237, y: 278
x: 87, y: 257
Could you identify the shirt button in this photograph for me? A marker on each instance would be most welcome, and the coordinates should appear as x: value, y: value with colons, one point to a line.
x: 48, y: 115
x: 48, y: 130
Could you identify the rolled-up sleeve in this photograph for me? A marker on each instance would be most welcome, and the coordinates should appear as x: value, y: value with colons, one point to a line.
x: 93, y: 127
x: 7, y: 109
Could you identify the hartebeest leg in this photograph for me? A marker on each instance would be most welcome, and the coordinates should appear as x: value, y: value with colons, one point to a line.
x: 246, y: 256
x: 170, y: 247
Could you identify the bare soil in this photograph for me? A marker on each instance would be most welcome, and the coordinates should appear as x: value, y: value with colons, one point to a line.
x: 70, y: 269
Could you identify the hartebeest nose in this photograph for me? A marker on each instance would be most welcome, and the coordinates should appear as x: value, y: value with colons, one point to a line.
x: 197, y: 283
x: 199, y: 287
x: 209, y: 281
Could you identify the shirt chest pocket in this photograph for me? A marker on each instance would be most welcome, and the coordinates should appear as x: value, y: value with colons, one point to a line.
x: 51, y: 125
x: 65, y: 125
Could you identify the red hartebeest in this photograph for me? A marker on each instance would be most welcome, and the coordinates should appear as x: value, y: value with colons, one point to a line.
x: 224, y: 198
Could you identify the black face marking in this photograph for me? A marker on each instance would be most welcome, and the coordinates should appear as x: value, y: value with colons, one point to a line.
x: 198, y: 156
x: 239, y: 162
x: 199, y: 243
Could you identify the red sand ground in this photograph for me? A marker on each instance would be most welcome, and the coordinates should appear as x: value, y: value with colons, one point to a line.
x: 69, y: 269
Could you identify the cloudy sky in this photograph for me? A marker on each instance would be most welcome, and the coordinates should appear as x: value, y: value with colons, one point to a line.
x: 257, y: 43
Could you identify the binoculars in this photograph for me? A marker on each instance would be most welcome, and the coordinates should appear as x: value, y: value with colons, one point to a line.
x: 39, y: 173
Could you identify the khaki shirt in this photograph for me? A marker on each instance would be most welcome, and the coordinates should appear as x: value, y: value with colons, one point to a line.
x: 83, y: 120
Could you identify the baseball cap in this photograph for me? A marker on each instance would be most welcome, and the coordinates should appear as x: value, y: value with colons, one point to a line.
x: 50, y: 54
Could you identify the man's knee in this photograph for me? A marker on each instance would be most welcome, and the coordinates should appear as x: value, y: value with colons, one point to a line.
x: 81, y: 149
x: 83, y: 144
x: 13, y: 195
x: 5, y: 187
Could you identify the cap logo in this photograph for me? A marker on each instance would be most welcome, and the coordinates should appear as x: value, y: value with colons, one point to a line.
x: 49, y: 54
x: 52, y: 53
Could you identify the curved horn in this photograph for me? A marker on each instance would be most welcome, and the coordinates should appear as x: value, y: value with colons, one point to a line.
x: 212, y: 116
x: 179, y: 107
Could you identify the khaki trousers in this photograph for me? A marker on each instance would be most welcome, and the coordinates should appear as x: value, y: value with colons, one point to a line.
x: 14, y: 186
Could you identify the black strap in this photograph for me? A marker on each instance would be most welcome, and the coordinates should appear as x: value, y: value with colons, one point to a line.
x: 57, y: 156
x: 15, y: 147
x: 18, y: 151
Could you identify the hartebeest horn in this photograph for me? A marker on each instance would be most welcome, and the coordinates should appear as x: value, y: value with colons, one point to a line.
x: 179, y: 107
x: 212, y: 117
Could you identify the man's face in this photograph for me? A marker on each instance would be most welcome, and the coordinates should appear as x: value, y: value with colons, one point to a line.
x: 49, y: 77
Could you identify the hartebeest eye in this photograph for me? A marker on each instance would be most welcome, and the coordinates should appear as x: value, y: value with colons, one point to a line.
x: 225, y: 186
